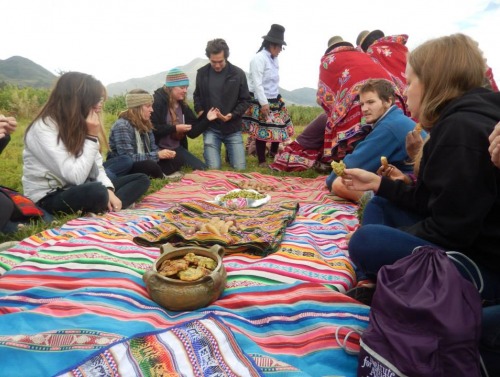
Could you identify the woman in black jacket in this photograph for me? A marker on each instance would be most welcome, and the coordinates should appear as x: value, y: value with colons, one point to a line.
x: 173, y: 119
x: 455, y: 203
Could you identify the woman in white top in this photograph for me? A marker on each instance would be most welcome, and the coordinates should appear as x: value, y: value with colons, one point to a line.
x: 63, y: 169
x: 267, y: 119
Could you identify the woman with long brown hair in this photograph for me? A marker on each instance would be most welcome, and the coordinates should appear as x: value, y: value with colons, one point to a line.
x: 63, y: 169
x: 455, y: 203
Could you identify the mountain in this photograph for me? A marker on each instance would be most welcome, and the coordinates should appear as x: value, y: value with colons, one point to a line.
x: 20, y: 71
x: 23, y: 72
x: 153, y: 82
x: 303, y: 96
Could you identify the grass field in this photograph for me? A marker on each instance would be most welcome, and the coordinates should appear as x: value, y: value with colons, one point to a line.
x: 11, y: 163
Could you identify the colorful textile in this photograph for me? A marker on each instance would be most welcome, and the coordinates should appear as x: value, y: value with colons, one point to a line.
x: 23, y: 206
x: 390, y: 52
x: 204, y: 347
x: 277, y: 127
x: 342, y: 72
x: 295, y: 158
x: 258, y: 230
x: 303, y: 153
x: 69, y: 293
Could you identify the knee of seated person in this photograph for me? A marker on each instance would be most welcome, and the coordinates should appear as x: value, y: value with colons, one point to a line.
x: 490, y: 336
x: 336, y: 185
x: 239, y: 166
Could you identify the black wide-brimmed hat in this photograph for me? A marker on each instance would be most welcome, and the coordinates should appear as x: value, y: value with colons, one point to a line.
x: 371, y: 37
x: 276, y: 35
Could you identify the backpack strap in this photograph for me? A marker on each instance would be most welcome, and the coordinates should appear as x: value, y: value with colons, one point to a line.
x: 452, y: 254
x: 342, y: 340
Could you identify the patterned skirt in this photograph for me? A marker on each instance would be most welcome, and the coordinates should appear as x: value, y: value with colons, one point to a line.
x: 277, y: 127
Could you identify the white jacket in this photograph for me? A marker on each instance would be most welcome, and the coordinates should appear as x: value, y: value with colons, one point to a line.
x: 48, y: 165
x: 264, y: 76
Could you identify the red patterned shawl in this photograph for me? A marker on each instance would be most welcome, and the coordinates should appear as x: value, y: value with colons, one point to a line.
x: 390, y: 52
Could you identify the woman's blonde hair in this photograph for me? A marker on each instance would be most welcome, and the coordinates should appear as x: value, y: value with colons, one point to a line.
x: 134, y: 115
x: 447, y: 67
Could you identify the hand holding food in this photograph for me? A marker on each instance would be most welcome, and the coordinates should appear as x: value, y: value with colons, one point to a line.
x: 166, y: 154
x: 361, y: 180
x: 414, y: 142
x: 384, y: 162
x: 338, y: 168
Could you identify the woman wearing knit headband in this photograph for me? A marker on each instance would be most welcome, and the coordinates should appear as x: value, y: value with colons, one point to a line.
x: 63, y: 169
x: 132, y: 135
x: 173, y: 119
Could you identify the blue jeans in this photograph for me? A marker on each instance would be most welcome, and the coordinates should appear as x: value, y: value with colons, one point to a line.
x: 118, y: 166
x: 490, y: 339
x: 212, y: 140
x: 378, y: 242
x: 190, y: 160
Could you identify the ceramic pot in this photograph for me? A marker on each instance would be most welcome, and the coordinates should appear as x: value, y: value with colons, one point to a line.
x: 179, y: 295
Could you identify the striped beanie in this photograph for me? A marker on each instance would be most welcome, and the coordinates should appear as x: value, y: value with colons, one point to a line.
x: 176, y: 77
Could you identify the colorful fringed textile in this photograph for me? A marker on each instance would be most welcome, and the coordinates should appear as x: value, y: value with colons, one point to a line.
x: 390, y: 52
x: 204, y: 347
x: 259, y: 230
x: 69, y: 293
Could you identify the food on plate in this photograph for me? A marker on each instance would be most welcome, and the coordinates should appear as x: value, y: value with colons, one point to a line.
x: 246, y: 194
x: 338, y: 168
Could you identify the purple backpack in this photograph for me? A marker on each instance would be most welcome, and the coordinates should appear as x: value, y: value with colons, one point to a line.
x: 425, y: 320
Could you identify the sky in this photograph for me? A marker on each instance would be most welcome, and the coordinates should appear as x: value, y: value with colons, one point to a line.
x: 116, y: 40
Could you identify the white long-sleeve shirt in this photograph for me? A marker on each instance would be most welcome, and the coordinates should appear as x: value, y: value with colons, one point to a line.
x: 48, y: 164
x: 264, y: 77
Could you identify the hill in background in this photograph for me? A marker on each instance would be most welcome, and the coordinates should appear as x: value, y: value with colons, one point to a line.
x: 23, y: 72
x: 303, y: 96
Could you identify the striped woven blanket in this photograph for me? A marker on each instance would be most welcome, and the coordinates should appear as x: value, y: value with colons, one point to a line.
x: 73, y: 297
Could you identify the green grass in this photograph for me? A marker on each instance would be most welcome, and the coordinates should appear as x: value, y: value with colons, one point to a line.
x: 11, y: 163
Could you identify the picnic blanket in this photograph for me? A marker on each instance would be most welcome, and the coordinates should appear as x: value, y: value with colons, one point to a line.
x: 74, y: 294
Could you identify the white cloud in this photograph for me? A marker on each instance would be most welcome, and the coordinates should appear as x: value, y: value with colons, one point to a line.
x: 119, y: 39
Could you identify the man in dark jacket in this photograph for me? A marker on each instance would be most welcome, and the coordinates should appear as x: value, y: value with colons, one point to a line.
x: 223, y: 86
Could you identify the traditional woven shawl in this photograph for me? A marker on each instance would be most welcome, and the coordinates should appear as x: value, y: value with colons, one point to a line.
x: 259, y: 230
x: 390, y: 52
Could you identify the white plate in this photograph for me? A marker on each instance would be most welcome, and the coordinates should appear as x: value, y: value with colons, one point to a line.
x: 242, y: 202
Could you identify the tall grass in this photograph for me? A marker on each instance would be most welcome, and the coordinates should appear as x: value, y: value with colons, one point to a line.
x: 25, y: 104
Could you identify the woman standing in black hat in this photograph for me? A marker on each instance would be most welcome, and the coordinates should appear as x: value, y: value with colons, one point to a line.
x: 267, y: 119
